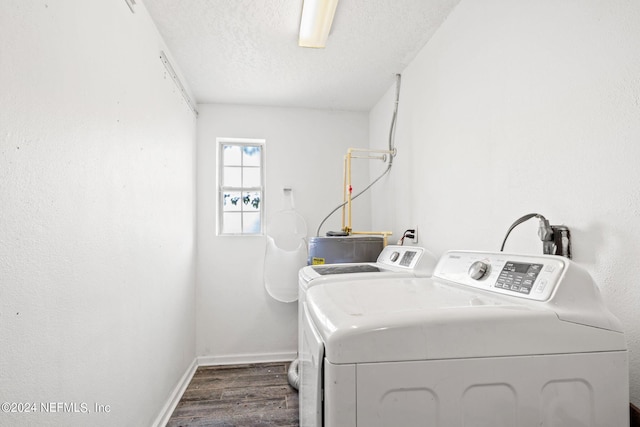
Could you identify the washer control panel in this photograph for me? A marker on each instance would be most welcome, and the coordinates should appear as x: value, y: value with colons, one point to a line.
x: 527, y: 276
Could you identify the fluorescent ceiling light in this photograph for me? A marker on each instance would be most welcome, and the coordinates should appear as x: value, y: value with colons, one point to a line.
x: 315, y: 24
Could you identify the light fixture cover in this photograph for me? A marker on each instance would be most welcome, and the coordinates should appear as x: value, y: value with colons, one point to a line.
x: 315, y: 24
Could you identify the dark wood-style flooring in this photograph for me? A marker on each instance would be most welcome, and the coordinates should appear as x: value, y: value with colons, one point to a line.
x: 253, y: 395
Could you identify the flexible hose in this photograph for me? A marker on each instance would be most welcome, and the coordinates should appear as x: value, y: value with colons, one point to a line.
x: 293, y: 375
x: 392, y: 134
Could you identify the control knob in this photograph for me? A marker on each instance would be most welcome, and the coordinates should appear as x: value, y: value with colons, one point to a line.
x: 478, y: 270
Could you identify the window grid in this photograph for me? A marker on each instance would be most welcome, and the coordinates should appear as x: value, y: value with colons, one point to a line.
x: 241, y: 206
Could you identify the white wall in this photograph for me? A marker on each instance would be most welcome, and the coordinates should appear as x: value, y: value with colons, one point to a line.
x: 516, y: 107
x: 236, y: 319
x: 97, y: 196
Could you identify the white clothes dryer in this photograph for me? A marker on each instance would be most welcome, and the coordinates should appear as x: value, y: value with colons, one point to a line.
x: 393, y: 261
x: 492, y: 339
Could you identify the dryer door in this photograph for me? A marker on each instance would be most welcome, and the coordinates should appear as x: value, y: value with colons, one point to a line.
x: 310, y: 367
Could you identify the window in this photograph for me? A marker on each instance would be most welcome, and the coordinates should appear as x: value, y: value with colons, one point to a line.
x: 240, y: 186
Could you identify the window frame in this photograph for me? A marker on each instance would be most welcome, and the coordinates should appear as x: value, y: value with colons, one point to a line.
x: 222, y: 189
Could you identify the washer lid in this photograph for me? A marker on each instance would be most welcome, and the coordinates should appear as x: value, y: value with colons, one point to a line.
x: 420, y: 319
x: 308, y: 276
x: 410, y: 260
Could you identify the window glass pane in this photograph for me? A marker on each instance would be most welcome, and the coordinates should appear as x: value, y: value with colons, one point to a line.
x: 231, y: 201
x: 251, y: 177
x: 251, y: 201
x: 232, y: 176
x: 251, y: 222
x: 251, y: 155
x: 241, y: 186
x: 232, y: 222
x: 231, y: 155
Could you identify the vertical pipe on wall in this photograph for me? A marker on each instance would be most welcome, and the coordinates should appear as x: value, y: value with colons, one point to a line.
x: 344, y: 189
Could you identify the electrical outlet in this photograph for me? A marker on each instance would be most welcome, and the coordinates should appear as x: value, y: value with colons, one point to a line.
x: 415, y: 234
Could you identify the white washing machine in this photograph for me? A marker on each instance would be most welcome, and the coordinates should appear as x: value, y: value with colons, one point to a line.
x: 491, y: 340
x: 393, y: 261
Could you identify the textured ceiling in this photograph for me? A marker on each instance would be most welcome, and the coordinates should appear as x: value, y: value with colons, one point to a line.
x: 246, y: 51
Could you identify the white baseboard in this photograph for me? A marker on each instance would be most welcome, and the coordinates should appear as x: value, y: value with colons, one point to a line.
x: 241, y: 359
x: 176, y: 395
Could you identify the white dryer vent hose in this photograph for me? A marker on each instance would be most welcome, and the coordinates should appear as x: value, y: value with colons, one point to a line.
x: 293, y: 375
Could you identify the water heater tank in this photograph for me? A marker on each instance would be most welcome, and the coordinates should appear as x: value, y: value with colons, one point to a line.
x: 334, y: 250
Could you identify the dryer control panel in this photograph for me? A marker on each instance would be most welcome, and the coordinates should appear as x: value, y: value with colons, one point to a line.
x: 406, y: 257
x: 532, y: 277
